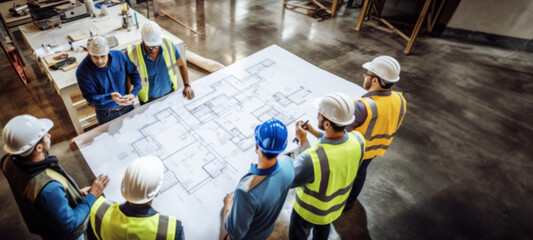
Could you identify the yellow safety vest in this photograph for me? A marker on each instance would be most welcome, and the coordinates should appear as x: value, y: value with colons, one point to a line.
x: 335, y: 167
x: 169, y: 54
x: 27, y: 189
x: 108, y: 222
x: 385, y: 115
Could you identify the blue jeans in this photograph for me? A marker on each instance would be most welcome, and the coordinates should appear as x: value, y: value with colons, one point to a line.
x: 104, y: 116
x: 300, y: 228
x: 358, y: 182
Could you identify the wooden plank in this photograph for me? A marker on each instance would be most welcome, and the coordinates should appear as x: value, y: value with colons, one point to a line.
x: 393, y: 29
x: 299, y: 6
x: 70, y: 67
x: 178, y: 21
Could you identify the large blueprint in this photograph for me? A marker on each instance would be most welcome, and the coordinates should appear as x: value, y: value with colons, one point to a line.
x: 207, y: 144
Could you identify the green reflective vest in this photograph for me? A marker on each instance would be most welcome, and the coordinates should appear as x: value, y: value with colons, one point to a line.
x: 108, y: 222
x: 335, y: 167
x: 169, y: 54
x: 26, y: 189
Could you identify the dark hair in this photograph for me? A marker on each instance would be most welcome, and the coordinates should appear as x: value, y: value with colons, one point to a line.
x: 384, y: 84
x: 35, y: 146
x: 269, y: 156
x: 335, y: 127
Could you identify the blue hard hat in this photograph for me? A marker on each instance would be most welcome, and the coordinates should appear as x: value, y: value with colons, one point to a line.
x: 271, y: 136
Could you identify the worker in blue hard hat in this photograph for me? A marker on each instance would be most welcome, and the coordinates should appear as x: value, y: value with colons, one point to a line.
x: 250, y: 211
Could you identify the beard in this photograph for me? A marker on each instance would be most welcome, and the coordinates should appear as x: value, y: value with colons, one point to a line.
x: 367, y: 84
x: 321, y: 125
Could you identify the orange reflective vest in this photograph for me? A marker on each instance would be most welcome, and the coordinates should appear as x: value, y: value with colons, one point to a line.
x: 385, y: 112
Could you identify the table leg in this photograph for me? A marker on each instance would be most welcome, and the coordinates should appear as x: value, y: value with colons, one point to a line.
x: 418, y: 25
x: 155, y: 8
x: 72, y: 113
x: 364, y: 9
x: 333, y: 8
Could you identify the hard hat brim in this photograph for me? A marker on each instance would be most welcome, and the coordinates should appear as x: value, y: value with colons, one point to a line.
x: 316, y: 105
x: 368, y: 67
x: 152, y: 44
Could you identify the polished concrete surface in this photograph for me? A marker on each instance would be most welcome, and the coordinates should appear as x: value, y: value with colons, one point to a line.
x: 459, y: 167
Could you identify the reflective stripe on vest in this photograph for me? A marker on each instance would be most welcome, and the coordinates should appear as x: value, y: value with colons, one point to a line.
x: 379, y: 131
x: 26, y: 191
x: 169, y: 55
x: 109, y: 222
x: 335, y: 168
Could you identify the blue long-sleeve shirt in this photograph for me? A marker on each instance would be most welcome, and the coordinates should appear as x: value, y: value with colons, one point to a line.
x: 97, y: 84
x: 52, y: 202
x: 158, y: 78
x: 255, y: 210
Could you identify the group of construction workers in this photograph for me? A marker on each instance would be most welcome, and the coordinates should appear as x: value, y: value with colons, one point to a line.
x: 327, y: 176
x: 150, y: 69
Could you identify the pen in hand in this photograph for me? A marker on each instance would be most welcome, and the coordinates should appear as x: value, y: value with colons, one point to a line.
x: 295, y: 140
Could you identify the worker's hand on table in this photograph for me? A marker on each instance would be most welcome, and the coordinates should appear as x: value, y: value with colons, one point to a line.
x: 301, y: 134
x: 85, y: 190
x: 122, y: 100
x: 188, y: 92
x: 99, y: 184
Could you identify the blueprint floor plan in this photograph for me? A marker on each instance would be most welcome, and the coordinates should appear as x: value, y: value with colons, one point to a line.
x: 207, y: 144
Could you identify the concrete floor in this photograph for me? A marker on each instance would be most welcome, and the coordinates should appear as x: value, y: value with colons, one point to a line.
x: 459, y: 167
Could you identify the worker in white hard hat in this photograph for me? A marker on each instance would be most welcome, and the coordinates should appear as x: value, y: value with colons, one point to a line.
x: 50, y: 201
x: 136, y: 219
x: 324, y: 173
x: 102, y: 77
x: 158, y: 62
x: 378, y: 114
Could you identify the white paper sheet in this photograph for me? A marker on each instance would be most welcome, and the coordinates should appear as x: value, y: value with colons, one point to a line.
x: 207, y: 144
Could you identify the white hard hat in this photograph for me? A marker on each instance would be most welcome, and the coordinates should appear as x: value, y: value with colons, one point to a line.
x: 23, y: 132
x: 97, y: 46
x: 142, y: 180
x: 386, y: 67
x: 151, y: 34
x: 336, y: 107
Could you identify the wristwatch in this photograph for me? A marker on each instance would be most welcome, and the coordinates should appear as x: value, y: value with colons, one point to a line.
x: 186, y: 85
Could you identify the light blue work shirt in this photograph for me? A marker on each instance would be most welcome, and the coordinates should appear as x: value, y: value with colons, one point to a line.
x: 255, y: 210
x: 158, y: 78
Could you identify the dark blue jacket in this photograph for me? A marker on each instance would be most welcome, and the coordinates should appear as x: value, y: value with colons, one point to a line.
x: 97, y: 84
